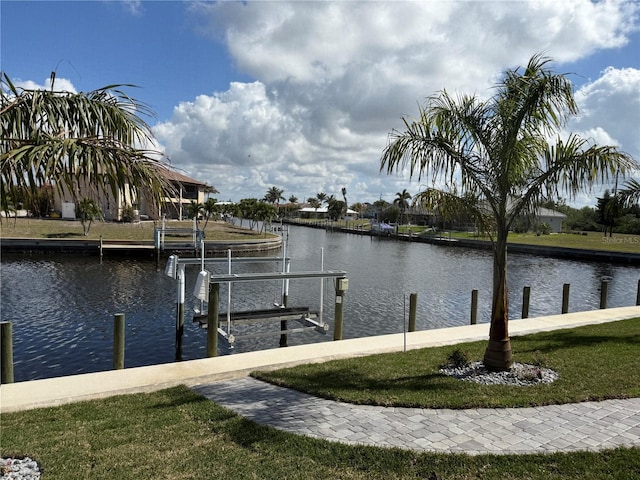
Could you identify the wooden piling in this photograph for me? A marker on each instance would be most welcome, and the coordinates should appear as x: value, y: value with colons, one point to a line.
x: 474, y: 307
x: 118, y: 341
x: 526, y: 295
x: 565, y: 297
x: 283, y: 323
x: 338, y: 313
x: 413, y: 304
x: 6, y: 360
x: 604, y: 288
x: 212, y: 320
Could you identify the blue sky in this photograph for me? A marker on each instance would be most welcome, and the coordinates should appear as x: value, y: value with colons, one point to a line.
x: 302, y: 95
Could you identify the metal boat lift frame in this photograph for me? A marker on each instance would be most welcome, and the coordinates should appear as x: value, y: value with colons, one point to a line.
x: 176, y: 269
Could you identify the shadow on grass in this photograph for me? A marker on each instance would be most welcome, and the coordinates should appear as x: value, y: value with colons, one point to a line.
x: 338, y: 382
x: 563, y: 340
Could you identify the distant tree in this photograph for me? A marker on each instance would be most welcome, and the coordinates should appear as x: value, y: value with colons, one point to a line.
x: 87, y: 211
x: 314, y: 202
x: 293, y: 199
x: 264, y: 212
x: 609, y: 209
x: 336, y: 209
x: 194, y: 210
x: 402, y: 202
x: 245, y: 210
x: 274, y: 195
x: 322, y: 197
x: 210, y: 210
x: 380, y: 206
x: 357, y: 207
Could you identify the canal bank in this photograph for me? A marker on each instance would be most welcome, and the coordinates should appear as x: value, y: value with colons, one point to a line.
x: 627, y: 258
x: 143, y: 249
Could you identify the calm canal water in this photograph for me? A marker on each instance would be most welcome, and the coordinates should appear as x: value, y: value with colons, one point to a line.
x: 62, y: 306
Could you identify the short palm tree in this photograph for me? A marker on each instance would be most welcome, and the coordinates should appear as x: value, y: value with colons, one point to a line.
x: 501, y: 154
x: 210, y: 209
x: 194, y: 210
x: 402, y: 201
x: 77, y: 142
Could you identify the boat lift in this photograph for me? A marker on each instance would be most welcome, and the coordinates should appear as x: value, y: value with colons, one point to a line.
x: 207, y: 290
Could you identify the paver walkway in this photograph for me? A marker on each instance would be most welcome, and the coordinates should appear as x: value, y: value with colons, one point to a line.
x: 579, y: 426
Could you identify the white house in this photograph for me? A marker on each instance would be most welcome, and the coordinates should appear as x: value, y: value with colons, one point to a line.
x: 550, y: 217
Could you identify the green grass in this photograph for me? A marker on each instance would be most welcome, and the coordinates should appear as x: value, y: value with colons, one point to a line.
x: 72, y: 229
x: 177, y: 434
x: 593, y: 363
x: 620, y: 242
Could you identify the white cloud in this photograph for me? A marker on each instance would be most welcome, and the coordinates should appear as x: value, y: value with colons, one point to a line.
x: 333, y: 79
x: 59, y: 85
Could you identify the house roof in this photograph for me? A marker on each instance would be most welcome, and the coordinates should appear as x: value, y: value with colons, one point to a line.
x: 323, y: 210
x: 547, y: 212
x: 174, y: 176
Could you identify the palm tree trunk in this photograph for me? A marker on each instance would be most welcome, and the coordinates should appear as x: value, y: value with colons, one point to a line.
x: 498, y: 353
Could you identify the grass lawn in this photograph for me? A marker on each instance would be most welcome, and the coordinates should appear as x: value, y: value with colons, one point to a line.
x: 143, y: 231
x: 177, y: 434
x: 593, y: 363
x: 620, y: 242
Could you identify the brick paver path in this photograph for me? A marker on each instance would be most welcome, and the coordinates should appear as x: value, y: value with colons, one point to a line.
x: 579, y: 426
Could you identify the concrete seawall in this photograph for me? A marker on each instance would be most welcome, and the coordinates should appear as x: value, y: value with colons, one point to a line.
x: 132, y: 248
x: 63, y: 390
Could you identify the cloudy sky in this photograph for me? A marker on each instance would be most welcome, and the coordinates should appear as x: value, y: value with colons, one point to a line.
x: 302, y: 95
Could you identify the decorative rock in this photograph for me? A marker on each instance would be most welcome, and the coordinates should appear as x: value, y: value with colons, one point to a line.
x: 520, y: 374
x: 19, y: 469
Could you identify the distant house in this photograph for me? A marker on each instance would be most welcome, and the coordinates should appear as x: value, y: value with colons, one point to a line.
x: 186, y: 190
x: 321, y: 212
x: 551, y: 217
x: 173, y: 207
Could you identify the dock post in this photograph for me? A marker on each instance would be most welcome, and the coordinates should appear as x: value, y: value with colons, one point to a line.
x: 118, y: 341
x: 6, y: 344
x: 413, y: 303
x: 474, y: 307
x: 526, y: 294
x: 342, y: 284
x: 212, y: 320
x: 180, y: 313
x: 285, y: 296
x: 565, y: 297
x: 604, y: 289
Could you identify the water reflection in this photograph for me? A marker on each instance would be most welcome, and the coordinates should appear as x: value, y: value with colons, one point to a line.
x: 62, y: 307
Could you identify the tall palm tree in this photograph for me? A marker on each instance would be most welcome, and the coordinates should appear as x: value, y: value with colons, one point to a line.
x: 76, y: 141
x: 322, y: 197
x: 274, y: 195
x: 402, y: 201
x: 500, y: 154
